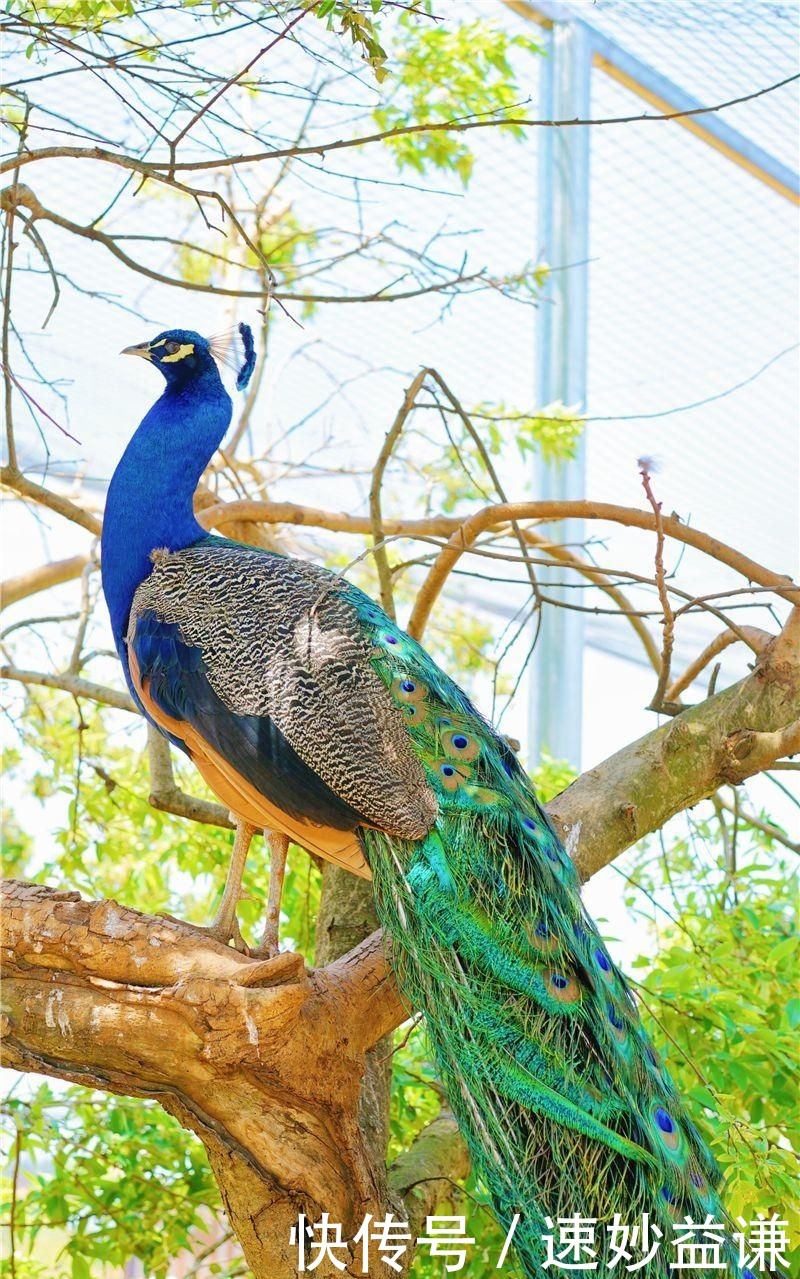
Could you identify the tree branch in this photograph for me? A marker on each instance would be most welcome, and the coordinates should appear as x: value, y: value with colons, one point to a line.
x: 13, y: 479
x: 727, y: 738
x: 72, y: 684
x: 462, y: 533
x: 155, y: 167
x: 757, y: 638
x: 424, y: 1174
x: 378, y: 471
x: 168, y: 797
x: 767, y: 828
x: 489, y: 516
x: 14, y: 589
x: 254, y: 1056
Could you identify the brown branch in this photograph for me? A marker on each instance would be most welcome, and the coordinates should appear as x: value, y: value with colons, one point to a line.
x: 251, y: 511
x: 23, y: 197
x: 14, y: 480
x: 462, y: 533
x: 365, y: 991
x: 168, y: 797
x: 376, y: 519
x: 14, y: 589
x: 489, y: 467
x: 489, y: 516
x: 154, y: 168
x: 757, y: 639
x: 254, y: 1056
x: 72, y: 684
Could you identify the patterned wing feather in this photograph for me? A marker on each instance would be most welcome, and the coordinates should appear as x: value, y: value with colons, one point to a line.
x: 266, y: 655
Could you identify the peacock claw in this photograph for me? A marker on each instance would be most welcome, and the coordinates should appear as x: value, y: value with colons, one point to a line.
x: 218, y: 930
x: 268, y: 947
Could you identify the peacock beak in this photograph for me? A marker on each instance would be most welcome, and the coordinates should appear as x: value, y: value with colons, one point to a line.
x: 142, y: 349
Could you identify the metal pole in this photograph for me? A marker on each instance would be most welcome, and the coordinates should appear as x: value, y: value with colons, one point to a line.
x: 556, y: 704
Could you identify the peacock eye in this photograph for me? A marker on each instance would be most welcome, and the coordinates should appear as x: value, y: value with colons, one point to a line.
x: 172, y: 347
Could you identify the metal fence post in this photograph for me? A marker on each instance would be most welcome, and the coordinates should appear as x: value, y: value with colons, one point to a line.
x: 556, y: 700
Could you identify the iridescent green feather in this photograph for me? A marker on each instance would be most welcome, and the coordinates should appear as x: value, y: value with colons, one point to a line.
x: 563, y: 1101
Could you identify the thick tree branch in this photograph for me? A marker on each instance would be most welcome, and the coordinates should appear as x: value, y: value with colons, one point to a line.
x: 14, y: 589
x: 362, y: 984
x: 257, y: 1057
x: 424, y: 1174
x: 727, y: 738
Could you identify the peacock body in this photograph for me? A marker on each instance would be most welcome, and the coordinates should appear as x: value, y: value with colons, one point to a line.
x: 310, y: 711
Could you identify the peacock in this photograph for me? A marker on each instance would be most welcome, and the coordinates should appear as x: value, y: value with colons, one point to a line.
x: 312, y: 715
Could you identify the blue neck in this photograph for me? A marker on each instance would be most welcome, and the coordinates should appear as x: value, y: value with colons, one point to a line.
x: 150, y: 498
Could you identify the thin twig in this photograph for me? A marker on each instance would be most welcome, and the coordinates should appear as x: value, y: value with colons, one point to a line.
x: 376, y: 517
x: 154, y: 168
x: 663, y: 594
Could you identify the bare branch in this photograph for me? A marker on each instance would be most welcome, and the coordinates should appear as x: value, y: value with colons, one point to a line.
x: 668, y: 641
x: 376, y: 520
x: 757, y: 638
x: 153, y: 168
x: 767, y: 828
x: 490, y: 516
x: 14, y: 589
x: 72, y: 684
x: 14, y: 480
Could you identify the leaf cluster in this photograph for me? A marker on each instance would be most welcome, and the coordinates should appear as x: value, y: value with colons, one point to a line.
x: 449, y: 72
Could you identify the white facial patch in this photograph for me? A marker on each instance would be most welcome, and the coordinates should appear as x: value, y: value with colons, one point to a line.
x: 187, y: 348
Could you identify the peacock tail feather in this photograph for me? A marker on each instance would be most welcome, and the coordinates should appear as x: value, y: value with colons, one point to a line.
x: 562, y: 1099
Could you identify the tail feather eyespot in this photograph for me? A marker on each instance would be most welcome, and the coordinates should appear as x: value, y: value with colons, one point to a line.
x: 458, y: 744
x: 562, y: 986
x: 452, y: 776
x: 409, y: 691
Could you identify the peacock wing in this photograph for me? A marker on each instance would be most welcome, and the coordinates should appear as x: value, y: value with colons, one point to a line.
x: 268, y: 660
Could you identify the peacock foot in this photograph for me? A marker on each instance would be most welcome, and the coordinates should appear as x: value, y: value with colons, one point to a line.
x: 221, y: 930
x: 269, y: 946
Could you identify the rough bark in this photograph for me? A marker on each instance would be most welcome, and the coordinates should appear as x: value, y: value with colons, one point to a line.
x: 262, y: 1059
x: 346, y: 918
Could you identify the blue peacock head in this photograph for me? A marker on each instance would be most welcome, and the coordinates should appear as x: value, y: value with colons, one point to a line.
x: 183, y: 355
